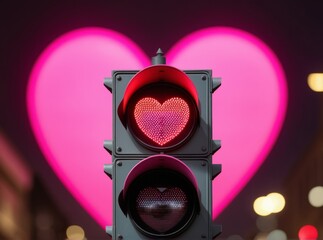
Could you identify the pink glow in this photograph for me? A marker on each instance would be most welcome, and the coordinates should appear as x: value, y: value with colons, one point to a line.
x: 70, y: 110
x: 249, y: 107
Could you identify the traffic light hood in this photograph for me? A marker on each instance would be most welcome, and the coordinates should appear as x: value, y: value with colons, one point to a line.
x: 156, y: 74
x: 159, y: 161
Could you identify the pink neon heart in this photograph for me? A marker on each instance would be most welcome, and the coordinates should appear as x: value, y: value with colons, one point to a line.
x: 161, y: 122
x: 70, y: 111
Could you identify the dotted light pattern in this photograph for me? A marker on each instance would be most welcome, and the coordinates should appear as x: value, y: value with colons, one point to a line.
x: 161, y: 122
x: 161, y: 208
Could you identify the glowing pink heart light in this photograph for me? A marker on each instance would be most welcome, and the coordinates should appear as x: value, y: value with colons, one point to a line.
x: 248, y: 109
x: 161, y: 122
x: 70, y: 111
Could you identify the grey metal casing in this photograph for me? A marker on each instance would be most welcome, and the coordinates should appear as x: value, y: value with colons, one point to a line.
x: 196, y: 153
x: 200, y: 228
x: 199, y: 144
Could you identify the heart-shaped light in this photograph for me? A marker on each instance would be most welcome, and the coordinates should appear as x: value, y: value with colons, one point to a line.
x: 70, y: 111
x: 161, y: 208
x: 161, y: 122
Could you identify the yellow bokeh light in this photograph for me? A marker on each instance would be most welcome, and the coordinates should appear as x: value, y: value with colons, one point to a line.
x: 278, y: 202
x: 263, y: 206
x: 261, y: 236
x: 315, y: 196
x: 75, y: 232
x: 272, y: 203
x: 315, y: 81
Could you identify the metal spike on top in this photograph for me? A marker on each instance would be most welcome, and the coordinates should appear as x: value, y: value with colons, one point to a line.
x: 159, y: 58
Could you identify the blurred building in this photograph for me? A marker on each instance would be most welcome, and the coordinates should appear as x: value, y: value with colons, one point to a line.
x: 308, y: 173
x: 26, y: 210
x: 15, y: 185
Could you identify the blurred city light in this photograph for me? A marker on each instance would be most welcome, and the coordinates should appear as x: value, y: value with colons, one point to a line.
x: 261, y: 236
x: 278, y: 201
x: 277, y: 235
x: 308, y: 232
x: 315, y: 81
x: 263, y: 206
x: 315, y: 196
x: 75, y: 232
x: 272, y: 203
x: 235, y: 237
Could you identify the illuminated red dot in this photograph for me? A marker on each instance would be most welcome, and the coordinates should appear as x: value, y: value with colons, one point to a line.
x: 308, y: 232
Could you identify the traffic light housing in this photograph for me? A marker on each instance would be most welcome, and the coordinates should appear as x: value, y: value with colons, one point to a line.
x: 162, y: 151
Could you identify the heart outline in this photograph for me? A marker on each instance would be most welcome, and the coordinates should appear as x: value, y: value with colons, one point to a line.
x: 48, y: 144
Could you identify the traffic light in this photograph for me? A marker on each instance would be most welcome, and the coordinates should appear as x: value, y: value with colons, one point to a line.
x: 162, y: 151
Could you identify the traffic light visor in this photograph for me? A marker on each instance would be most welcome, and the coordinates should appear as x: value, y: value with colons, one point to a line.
x: 160, y: 107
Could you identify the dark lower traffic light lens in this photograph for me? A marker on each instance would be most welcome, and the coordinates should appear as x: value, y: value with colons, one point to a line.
x: 162, y: 116
x: 161, y: 208
x: 162, y: 202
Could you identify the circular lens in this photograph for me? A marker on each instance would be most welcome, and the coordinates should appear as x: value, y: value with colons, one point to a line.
x: 157, y: 206
x: 162, y: 202
x: 161, y: 116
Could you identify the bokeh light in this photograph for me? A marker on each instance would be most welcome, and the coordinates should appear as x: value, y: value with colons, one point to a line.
x: 263, y: 206
x: 235, y: 237
x: 277, y: 235
x: 278, y: 201
x: 75, y: 232
x: 315, y: 196
x: 261, y: 236
x: 308, y: 232
x: 315, y: 82
x: 272, y: 203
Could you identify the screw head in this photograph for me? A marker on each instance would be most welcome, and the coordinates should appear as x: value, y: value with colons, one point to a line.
x: 119, y: 163
x: 203, y: 77
x: 119, y: 149
x: 119, y: 78
x: 120, y: 237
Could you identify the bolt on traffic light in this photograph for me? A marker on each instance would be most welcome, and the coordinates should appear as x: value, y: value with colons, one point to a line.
x: 162, y: 151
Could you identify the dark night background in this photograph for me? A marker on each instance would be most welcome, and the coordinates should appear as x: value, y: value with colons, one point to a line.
x: 292, y: 29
